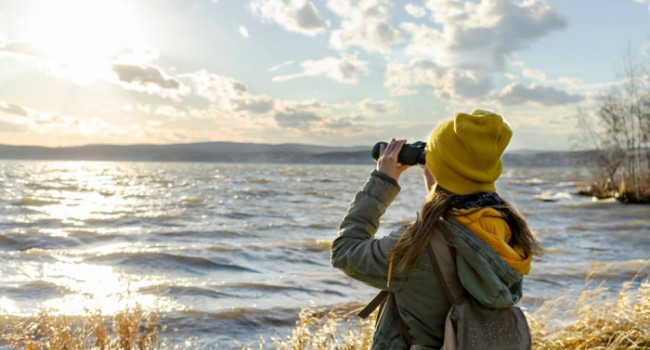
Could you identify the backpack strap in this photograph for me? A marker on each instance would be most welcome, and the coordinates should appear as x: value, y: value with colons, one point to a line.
x: 445, y: 267
x: 378, y: 300
x: 372, y: 305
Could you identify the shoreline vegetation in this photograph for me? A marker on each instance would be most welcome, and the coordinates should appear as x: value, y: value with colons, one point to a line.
x: 598, y: 319
x: 618, y: 130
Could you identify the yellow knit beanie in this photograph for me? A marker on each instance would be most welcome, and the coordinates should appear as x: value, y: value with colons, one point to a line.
x: 464, y: 153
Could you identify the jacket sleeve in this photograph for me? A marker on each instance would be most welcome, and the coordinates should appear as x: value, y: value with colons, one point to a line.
x: 355, y: 251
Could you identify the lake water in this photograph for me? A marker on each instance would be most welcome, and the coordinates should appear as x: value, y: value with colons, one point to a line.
x: 233, y: 251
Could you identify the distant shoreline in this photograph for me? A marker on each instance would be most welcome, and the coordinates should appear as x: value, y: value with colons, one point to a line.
x: 231, y: 152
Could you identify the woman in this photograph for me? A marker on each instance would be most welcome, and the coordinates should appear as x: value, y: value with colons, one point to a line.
x: 493, y: 245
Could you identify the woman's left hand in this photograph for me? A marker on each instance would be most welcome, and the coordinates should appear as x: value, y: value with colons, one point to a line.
x: 387, y: 162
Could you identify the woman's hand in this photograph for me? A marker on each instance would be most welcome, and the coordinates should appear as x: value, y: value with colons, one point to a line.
x: 387, y: 161
x: 429, y: 181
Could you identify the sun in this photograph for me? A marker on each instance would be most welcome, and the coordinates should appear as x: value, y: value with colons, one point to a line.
x: 83, y: 35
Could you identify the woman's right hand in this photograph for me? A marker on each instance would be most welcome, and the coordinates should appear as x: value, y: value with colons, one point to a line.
x: 387, y: 162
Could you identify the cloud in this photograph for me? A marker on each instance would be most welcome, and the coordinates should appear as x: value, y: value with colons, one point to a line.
x: 364, y: 23
x: 447, y: 83
x: 139, y: 55
x: 415, y: 11
x: 231, y: 98
x: 229, y: 94
x: 52, y: 126
x: 144, y: 75
x: 518, y: 94
x: 11, y: 127
x: 369, y: 106
x: 217, y: 88
x: 301, y: 116
x: 254, y: 104
x: 13, y: 109
x: 572, y: 83
x: 312, y: 118
x: 169, y: 111
x: 339, y: 123
x: 150, y: 79
x: 24, y: 48
x: 344, y: 70
x: 480, y: 35
x: 299, y: 16
x: 281, y: 65
x: 644, y: 2
x: 296, y: 119
x: 534, y: 74
x: 243, y: 31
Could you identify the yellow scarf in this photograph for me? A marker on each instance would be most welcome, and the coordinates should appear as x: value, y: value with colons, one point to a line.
x: 489, y: 225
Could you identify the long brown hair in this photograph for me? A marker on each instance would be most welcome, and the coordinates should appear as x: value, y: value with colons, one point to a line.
x: 411, y: 245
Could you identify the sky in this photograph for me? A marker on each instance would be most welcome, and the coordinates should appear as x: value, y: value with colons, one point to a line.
x: 324, y: 72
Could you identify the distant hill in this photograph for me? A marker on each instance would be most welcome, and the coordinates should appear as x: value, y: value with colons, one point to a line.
x: 246, y: 153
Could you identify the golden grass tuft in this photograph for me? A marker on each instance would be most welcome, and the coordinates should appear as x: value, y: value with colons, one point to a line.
x: 597, y: 320
x: 336, y: 329
x: 131, y: 328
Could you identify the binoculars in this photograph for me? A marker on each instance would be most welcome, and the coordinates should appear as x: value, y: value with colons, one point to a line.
x: 411, y: 153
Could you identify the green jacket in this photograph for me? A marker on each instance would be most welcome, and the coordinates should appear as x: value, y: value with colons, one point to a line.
x: 416, y: 294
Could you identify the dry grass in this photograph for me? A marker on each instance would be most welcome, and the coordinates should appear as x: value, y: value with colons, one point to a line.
x: 597, y: 320
x: 131, y: 328
x: 336, y: 329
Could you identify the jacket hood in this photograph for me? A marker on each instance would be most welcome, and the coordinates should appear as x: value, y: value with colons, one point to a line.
x: 491, y: 227
x: 482, y: 272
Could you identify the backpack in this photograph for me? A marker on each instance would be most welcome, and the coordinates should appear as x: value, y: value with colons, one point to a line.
x: 469, y: 325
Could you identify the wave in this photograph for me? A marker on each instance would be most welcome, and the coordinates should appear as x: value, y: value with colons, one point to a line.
x: 250, y: 316
x: 228, y: 329
x: 260, y: 181
x: 306, y: 246
x: 53, y: 187
x: 36, y: 239
x: 286, y: 289
x: 246, y: 193
x: 572, y: 184
x: 322, y: 226
x: 319, y: 194
x: 550, y: 196
x: 578, y: 227
x: 629, y: 225
x: 601, y: 270
x: 265, y: 287
x: 202, y: 234
x: 193, y: 201
x: 34, y: 290
x: 7, y: 242
x: 312, y: 245
x: 528, y: 181
x: 238, y: 215
x: 167, y: 261
x: 177, y: 291
x: 161, y: 217
x: 32, y: 201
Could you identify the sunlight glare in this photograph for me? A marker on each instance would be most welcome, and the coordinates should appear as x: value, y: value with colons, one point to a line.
x: 84, y: 34
x: 97, y: 287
